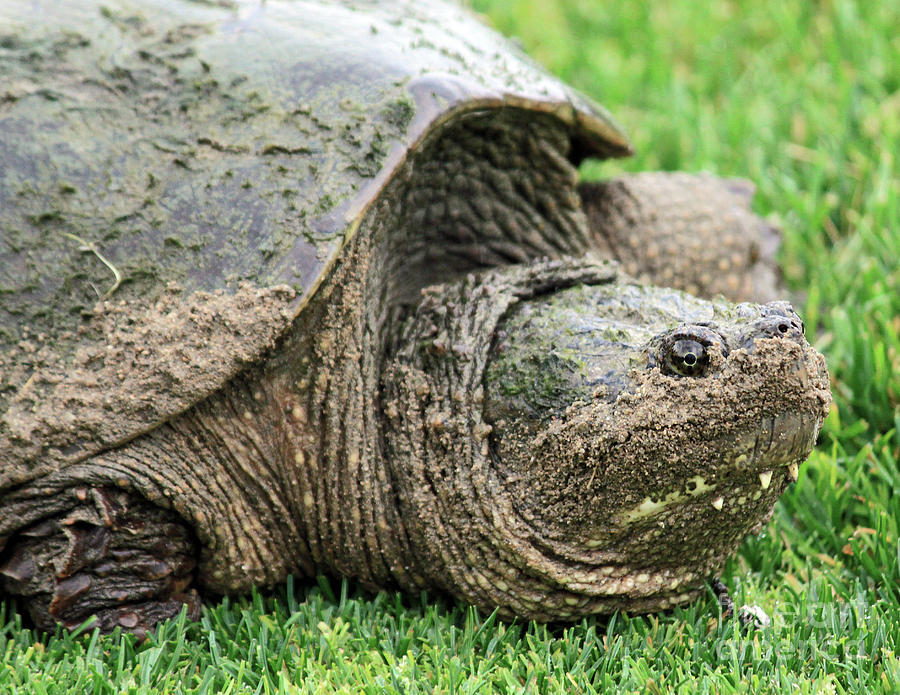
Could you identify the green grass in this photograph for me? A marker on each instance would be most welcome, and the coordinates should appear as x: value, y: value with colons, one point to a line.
x: 802, y: 97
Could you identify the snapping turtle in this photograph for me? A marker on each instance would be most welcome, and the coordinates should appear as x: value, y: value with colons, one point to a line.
x: 303, y: 287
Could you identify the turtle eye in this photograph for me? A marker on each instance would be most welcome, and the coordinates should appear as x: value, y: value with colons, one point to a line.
x: 686, y: 350
x: 686, y: 357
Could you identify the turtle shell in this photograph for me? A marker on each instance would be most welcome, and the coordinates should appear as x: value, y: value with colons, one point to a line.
x: 178, y: 177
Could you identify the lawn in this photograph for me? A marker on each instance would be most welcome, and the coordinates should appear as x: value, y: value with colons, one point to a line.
x: 804, y: 99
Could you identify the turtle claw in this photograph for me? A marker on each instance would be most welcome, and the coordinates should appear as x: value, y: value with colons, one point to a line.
x: 725, y: 601
x: 142, y: 617
x: 117, y: 558
x: 751, y: 616
x: 17, y: 568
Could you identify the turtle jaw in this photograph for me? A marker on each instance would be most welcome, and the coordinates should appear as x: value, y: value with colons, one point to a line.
x: 661, y: 549
x: 770, y: 463
x: 699, y: 526
x: 735, y: 496
x: 782, y: 443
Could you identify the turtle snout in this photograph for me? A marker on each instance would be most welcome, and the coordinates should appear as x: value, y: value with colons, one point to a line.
x: 779, y: 321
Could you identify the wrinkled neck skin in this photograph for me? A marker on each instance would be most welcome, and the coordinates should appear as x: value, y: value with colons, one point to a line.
x: 552, y: 463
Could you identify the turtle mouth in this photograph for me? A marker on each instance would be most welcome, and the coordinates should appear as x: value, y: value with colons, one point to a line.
x: 676, y: 540
x: 760, y: 467
x: 782, y: 443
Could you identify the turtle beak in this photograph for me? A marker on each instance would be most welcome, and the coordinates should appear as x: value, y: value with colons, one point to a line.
x: 781, y: 444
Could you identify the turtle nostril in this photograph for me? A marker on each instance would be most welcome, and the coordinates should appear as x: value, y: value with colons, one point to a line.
x: 781, y: 327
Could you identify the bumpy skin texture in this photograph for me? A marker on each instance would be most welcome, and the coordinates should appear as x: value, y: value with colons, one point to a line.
x: 693, y: 232
x: 363, y: 421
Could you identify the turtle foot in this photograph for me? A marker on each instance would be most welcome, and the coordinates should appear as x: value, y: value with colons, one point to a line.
x: 112, y: 556
x: 751, y: 616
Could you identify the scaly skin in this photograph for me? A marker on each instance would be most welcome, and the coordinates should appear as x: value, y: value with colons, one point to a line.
x: 691, y: 231
x: 572, y: 471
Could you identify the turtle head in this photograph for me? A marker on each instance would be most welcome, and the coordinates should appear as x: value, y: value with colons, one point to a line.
x: 646, y: 432
x: 608, y: 447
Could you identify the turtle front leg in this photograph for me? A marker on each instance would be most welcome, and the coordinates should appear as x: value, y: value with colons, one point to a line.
x: 112, y: 555
x: 695, y: 232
